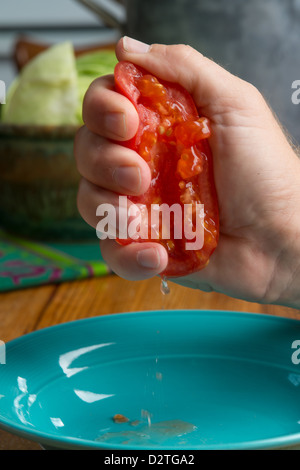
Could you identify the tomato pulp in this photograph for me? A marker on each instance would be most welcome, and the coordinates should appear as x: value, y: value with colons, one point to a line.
x: 173, y: 139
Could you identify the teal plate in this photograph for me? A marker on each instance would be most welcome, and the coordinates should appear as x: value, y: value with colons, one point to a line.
x: 179, y: 380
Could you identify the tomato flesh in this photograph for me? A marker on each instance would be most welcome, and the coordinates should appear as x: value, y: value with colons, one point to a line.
x: 173, y: 139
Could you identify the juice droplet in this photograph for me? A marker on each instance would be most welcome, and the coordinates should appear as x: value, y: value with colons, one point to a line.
x: 164, y: 288
x: 147, y: 415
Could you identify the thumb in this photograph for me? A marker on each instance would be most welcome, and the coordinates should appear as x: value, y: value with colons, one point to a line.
x: 206, y: 81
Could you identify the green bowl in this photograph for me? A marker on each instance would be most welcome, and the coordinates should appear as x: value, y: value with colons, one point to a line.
x: 39, y: 183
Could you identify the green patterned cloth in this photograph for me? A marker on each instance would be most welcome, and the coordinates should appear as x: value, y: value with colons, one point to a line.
x: 26, y: 263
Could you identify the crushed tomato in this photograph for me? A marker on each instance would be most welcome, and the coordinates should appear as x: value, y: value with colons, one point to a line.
x: 173, y: 139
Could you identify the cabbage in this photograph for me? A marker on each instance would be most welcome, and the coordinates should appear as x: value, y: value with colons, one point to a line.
x: 50, y: 88
x: 45, y: 92
x: 90, y: 66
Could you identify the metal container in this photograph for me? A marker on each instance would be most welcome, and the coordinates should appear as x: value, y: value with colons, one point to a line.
x: 254, y: 39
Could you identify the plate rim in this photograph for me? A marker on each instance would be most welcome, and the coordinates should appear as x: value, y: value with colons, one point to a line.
x: 239, y: 313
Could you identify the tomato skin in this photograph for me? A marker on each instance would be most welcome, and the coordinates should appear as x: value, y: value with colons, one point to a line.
x: 173, y: 140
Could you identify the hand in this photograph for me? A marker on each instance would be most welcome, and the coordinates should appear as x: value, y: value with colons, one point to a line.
x: 256, y: 171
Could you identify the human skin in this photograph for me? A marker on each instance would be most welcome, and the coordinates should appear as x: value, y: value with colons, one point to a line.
x: 256, y: 171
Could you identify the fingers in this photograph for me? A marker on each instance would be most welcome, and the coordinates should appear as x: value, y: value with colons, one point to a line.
x: 107, y: 168
x: 89, y: 197
x: 205, y: 80
x: 94, y: 203
x: 108, y: 113
x: 134, y: 262
x: 109, y: 165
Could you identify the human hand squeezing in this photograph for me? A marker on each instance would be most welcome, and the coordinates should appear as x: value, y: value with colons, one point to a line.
x: 256, y: 174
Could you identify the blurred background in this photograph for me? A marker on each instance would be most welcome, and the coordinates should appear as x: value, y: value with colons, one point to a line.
x: 47, y: 23
x: 256, y: 40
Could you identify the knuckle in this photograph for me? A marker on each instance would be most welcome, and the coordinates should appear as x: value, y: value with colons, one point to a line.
x: 179, y: 61
x: 184, y: 52
x: 252, y: 95
x: 174, y: 51
x: 182, y: 49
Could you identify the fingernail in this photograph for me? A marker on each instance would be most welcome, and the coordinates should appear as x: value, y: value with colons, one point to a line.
x: 132, y: 45
x: 115, y: 124
x: 148, y: 258
x: 128, y: 177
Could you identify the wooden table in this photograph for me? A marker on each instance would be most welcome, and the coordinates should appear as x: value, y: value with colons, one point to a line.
x: 31, y: 309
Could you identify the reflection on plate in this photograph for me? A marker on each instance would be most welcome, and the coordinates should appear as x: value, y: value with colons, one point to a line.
x: 156, y: 380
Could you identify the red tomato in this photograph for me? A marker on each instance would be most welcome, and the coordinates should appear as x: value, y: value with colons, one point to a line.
x: 173, y: 140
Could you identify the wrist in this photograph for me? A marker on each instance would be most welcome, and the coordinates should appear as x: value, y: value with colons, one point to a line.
x: 286, y: 275
x: 287, y: 280
x: 284, y: 284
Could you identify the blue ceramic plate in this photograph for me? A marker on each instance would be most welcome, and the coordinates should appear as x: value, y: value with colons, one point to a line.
x: 178, y: 380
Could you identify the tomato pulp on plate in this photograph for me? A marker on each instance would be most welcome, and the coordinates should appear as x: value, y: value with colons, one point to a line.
x: 173, y: 139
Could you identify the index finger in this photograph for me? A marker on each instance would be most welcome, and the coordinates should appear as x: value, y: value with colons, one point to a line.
x: 107, y: 113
